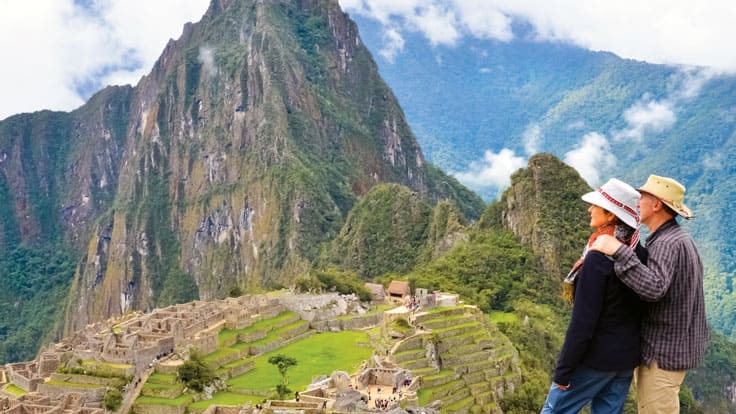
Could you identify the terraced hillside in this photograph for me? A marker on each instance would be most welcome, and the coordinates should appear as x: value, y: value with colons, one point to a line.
x: 461, y: 358
x: 242, y: 360
x: 451, y: 354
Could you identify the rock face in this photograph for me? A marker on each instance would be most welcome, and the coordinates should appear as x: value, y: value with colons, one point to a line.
x: 247, y: 143
x: 222, y: 171
x: 543, y: 208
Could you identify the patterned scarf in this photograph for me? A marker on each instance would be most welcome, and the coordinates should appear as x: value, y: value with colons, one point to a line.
x: 620, y: 231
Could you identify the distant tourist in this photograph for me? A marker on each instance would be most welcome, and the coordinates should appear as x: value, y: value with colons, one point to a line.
x: 601, y: 346
x: 674, y: 331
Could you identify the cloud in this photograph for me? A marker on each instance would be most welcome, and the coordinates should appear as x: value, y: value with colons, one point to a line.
x: 532, y: 139
x: 394, y: 43
x: 57, y: 52
x: 591, y: 158
x: 207, y: 59
x: 713, y: 161
x: 683, y: 32
x: 438, y: 24
x: 646, y: 116
x: 688, y: 82
x: 482, y: 21
x: 493, y: 171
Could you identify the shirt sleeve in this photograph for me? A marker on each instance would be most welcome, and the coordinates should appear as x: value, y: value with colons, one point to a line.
x: 651, y: 280
x: 589, y: 296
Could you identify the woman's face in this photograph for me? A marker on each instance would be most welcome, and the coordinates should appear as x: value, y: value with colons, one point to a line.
x: 599, y: 217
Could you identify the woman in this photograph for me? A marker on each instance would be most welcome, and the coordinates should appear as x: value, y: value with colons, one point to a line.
x: 601, y: 346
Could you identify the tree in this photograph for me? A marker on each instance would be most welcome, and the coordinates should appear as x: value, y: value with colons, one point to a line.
x: 195, y: 373
x: 112, y: 399
x: 282, y: 363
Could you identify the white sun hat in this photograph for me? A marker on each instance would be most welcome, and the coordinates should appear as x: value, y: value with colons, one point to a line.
x: 619, y: 198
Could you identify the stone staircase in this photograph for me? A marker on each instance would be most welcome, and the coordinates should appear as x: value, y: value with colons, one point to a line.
x: 462, y: 360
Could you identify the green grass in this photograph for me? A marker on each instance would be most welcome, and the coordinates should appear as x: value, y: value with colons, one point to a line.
x: 74, y: 384
x: 156, y: 386
x: 460, y: 404
x: 241, y: 346
x: 159, y: 378
x: 318, y: 354
x: 221, y: 352
x: 502, y: 317
x: 441, y: 374
x: 378, y: 309
x: 227, y: 398
x: 15, y: 390
x: 424, y: 397
x: 184, y: 399
x: 455, y: 327
x: 106, y: 364
x: 441, y: 309
x: 237, y: 362
x: 277, y: 334
x: 265, y: 324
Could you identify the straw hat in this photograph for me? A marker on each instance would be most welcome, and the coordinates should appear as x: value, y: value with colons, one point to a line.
x: 619, y: 198
x: 670, y: 192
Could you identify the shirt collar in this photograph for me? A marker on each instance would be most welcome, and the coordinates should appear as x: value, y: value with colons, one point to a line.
x: 662, y: 229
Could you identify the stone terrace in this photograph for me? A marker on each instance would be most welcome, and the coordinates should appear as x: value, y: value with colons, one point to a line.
x: 124, y: 347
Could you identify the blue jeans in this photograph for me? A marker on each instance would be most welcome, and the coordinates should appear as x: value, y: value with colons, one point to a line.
x: 605, y: 390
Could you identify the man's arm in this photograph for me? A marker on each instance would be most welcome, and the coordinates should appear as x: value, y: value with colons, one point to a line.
x: 650, y: 281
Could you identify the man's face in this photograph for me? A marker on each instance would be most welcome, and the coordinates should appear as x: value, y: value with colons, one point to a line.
x: 646, y: 207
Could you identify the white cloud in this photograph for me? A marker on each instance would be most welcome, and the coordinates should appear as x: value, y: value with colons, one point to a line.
x: 687, y: 83
x: 713, y: 161
x: 394, y: 43
x: 207, y: 59
x: 591, y: 158
x: 438, y: 24
x: 54, y: 51
x: 482, y: 21
x: 646, y: 116
x: 493, y: 171
x: 657, y: 31
x: 532, y: 139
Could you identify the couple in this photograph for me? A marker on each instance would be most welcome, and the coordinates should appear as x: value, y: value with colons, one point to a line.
x: 632, y: 307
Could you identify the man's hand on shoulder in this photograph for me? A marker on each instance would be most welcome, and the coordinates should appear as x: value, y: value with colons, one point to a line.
x: 606, y: 244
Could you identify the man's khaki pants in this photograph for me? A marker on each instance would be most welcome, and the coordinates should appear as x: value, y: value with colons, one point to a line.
x: 657, y: 389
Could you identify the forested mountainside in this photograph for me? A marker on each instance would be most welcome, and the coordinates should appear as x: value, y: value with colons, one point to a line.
x: 631, y: 118
x: 263, y: 150
x: 510, y: 263
x: 223, y: 170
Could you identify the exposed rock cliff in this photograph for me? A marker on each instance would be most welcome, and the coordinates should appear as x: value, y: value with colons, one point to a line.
x: 543, y: 208
x: 223, y: 170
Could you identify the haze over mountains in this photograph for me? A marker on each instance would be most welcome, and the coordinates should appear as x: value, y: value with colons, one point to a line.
x: 481, y: 108
x: 264, y: 149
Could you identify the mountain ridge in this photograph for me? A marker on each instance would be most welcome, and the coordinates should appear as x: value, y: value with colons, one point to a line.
x: 224, y: 169
x: 620, y: 117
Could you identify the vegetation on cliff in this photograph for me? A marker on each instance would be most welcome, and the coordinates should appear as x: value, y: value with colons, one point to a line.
x: 35, y: 282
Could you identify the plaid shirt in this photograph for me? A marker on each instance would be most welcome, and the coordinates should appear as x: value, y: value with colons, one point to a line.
x: 674, y: 332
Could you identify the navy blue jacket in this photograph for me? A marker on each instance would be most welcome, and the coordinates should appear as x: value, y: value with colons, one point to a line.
x: 604, y: 330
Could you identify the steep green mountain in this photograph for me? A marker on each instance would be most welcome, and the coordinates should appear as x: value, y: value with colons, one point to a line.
x: 222, y: 170
x: 391, y: 230
x: 510, y: 263
x: 490, y: 95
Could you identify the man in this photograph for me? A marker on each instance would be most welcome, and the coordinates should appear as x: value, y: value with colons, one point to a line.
x: 674, y: 331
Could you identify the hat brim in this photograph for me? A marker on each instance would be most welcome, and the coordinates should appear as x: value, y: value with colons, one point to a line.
x: 681, y: 209
x: 595, y: 198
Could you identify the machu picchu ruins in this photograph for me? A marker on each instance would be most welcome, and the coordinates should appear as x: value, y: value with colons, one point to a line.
x: 420, y: 350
